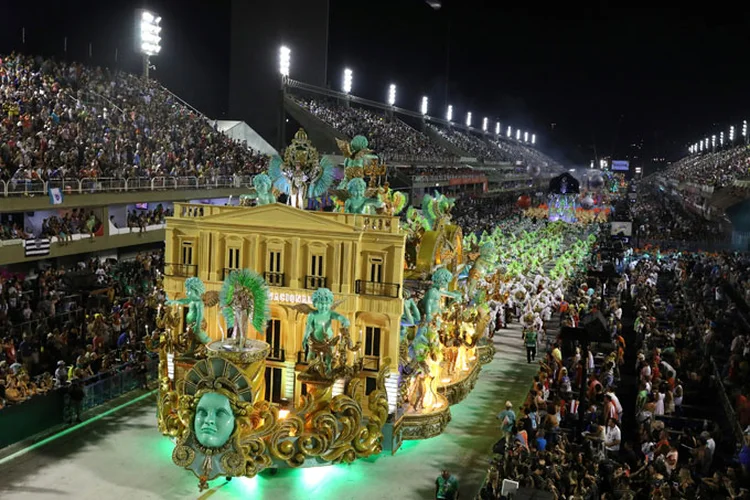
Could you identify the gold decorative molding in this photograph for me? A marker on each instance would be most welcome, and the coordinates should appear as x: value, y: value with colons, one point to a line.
x: 457, y: 391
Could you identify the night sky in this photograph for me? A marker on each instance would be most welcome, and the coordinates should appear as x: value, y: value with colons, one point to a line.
x: 606, y: 78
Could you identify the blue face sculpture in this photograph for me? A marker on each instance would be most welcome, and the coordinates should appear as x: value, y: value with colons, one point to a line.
x: 214, y: 420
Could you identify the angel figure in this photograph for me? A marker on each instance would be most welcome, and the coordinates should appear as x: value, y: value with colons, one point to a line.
x: 319, y: 337
x: 357, y: 202
x: 263, y: 194
x: 196, y: 298
x: 356, y: 155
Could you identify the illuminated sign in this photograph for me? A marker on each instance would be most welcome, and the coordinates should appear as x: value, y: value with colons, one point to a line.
x: 620, y: 165
x: 292, y: 298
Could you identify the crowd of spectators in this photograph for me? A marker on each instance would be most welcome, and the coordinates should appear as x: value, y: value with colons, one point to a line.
x: 55, y: 332
x: 661, y: 218
x: 470, y: 144
x: 717, y: 169
x: 389, y: 137
x: 476, y: 215
x: 662, y: 447
x: 64, y: 227
x: 60, y: 120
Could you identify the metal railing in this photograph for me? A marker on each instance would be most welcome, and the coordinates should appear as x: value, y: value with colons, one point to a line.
x: 91, y: 185
x: 277, y: 354
x: 106, y: 386
x: 315, y: 282
x: 392, y: 290
x: 301, y: 358
x: 274, y: 279
x: 370, y: 364
x: 181, y: 270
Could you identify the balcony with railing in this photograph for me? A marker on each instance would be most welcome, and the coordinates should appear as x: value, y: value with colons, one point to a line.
x: 276, y: 354
x: 377, y: 289
x: 315, y: 282
x: 301, y: 358
x: 370, y: 364
x: 274, y: 279
x: 91, y: 185
x: 180, y: 270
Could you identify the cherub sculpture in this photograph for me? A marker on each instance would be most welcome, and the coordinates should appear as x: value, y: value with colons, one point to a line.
x: 357, y: 202
x: 319, y: 337
x: 356, y: 156
x: 301, y: 174
x: 431, y: 303
x: 244, y: 294
x: 411, y: 316
x: 196, y: 298
x: 263, y: 194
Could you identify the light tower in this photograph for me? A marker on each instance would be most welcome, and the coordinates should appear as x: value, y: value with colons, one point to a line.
x: 348, y: 79
x: 468, y: 119
x: 449, y: 113
x: 392, y: 94
x: 149, y: 37
x: 424, y: 105
x: 497, y: 128
x: 484, y: 124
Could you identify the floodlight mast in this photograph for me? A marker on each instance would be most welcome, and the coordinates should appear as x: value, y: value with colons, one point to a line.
x: 392, y: 94
x: 425, y: 101
x: 149, y: 37
x: 449, y: 113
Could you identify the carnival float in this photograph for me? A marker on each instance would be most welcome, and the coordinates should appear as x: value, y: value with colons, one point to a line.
x: 447, y: 292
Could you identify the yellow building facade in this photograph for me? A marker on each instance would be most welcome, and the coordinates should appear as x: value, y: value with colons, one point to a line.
x: 360, y: 258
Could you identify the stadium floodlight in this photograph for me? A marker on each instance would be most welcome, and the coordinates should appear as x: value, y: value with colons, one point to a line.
x: 533, y: 139
x: 497, y: 128
x: 525, y: 137
x: 484, y: 124
x: 510, y: 131
x: 449, y: 113
x: 721, y: 138
x: 424, y: 105
x: 348, y: 78
x: 149, y: 39
x: 701, y: 143
x: 285, y: 60
x: 518, y: 134
x: 713, y: 141
x: 707, y: 143
x: 468, y: 119
x: 392, y: 94
x: 744, y: 128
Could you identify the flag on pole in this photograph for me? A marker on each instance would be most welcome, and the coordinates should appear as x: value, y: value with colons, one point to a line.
x: 55, y: 196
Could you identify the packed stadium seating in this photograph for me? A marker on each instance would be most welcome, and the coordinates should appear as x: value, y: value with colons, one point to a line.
x: 716, y: 169
x: 392, y: 139
x: 69, y: 121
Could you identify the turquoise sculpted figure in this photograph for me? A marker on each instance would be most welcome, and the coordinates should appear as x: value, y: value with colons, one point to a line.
x: 263, y: 193
x: 214, y: 420
x: 356, y: 153
x: 194, y: 291
x: 318, y: 331
x: 411, y: 316
x: 431, y: 303
x: 357, y: 203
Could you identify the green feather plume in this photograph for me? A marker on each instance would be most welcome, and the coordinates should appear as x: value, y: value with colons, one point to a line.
x: 258, y: 290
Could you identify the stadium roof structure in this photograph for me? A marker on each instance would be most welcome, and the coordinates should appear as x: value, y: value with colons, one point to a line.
x: 241, y: 131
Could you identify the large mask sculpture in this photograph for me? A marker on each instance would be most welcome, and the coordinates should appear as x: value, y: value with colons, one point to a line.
x: 215, y: 396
